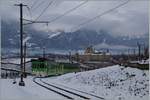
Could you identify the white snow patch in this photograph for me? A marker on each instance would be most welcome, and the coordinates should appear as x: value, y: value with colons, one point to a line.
x: 105, y: 45
x: 54, y: 35
x: 15, y: 60
x: 26, y: 39
x: 112, y: 83
x: 31, y: 91
x: 141, y: 61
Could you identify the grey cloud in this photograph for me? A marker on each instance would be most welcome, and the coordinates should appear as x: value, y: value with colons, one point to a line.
x: 131, y: 19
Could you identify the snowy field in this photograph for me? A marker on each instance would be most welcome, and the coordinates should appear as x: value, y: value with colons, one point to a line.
x: 112, y: 83
x: 141, y: 62
x: 31, y: 91
x: 14, y: 60
x: 7, y: 63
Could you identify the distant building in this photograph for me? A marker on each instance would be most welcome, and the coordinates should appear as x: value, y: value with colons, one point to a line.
x: 91, y: 55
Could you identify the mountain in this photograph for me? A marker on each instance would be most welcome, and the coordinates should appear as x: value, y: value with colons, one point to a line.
x: 82, y: 38
x: 10, y: 35
x: 64, y: 40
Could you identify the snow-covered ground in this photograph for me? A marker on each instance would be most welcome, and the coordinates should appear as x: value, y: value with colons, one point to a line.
x: 141, y: 62
x: 112, y: 83
x: 13, y: 63
x: 32, y: 91
x: 14, y: 60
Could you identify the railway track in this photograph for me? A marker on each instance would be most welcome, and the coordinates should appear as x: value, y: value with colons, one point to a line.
x: 67, y: 92
x: 78, y: 92
x: 81, y: 96
x: 101, y: 98
x: 66, y: 96
x: 63, y: 92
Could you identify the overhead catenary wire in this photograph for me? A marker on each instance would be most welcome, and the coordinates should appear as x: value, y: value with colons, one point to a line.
x: 102, y: 14
x: 67, y: 12
x: 38, y: 5
x: 44, y: 10
x: 30, y: 14
x: 34, y: 3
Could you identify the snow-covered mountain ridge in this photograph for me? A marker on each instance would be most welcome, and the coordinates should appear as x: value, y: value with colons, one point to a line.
x: 79, y: 39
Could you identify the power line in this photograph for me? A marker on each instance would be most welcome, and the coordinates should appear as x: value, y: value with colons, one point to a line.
x: 38, y: 5
x: 108, y: 11
x: 30, y: 14
x: 44, y: 10
x: 58, y: 17
x: 67, y: 12
x: 34, y: 3
x: 33, y: 21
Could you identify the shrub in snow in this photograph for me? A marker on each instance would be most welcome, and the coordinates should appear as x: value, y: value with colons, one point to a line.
x: 110, y: 82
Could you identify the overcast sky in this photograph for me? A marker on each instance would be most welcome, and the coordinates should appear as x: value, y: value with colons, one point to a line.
x: 130, y: 19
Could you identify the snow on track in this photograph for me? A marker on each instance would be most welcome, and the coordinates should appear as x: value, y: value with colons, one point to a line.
x: 31, y: 91
x: 81, y: 94
x: 112, y: 83
x: 50, y: 88
x: 73, y: 95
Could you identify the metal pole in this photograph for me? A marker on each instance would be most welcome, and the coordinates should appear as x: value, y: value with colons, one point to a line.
x: 70, y: 57
x: 21, y: 83
x: 139, y: 48
x: 24, y: 60
x: 43, y: 52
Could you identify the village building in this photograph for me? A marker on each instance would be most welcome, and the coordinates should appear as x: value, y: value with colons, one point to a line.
x: 92, y: 55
